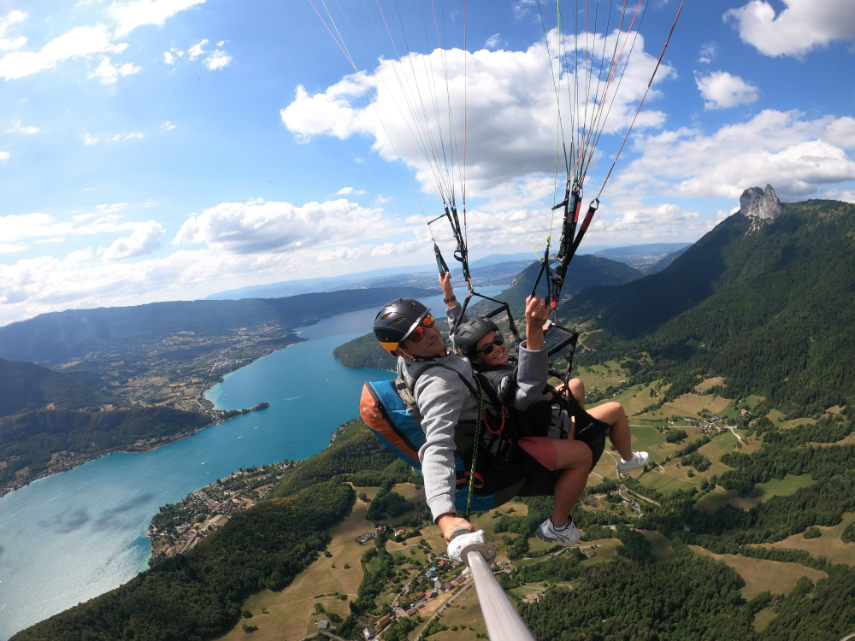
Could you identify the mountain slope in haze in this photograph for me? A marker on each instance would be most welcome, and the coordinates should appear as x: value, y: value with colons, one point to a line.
x: 769, y: 309
x: 648, y: 259
x: 62, y: 336
x: 585, y: 271
x: 170, y: 353
x: 26, y: 387
x: 496, y: 268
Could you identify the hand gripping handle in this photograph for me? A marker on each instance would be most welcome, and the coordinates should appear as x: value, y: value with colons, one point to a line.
x: 463, y: 542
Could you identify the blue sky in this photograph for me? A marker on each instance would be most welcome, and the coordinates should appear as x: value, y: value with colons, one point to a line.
x: 169, y: 149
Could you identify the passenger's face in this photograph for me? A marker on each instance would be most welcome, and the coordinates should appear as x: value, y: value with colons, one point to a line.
x: 498, y: 354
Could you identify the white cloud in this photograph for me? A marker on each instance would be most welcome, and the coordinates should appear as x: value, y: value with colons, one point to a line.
x: 796, y: 156
x: 708, y: 53
x: 801, y: 27
x: 44, y: 227
x: 94, y: 139
x: 722, y: 90
x: 217, y: 60
x: 108, y: 73
x: 19, y: 128
x: 350, y: 191
x: 137, y: 13
x: 510, y: 101
x: 260, y: 226
x: 9, y: 20
x: 5, y: 155
x: 145, y: 239
x: 214, y: 60
x: 494, y: 41
x: 197, y: 49
x: 166, y: 125
x: 86, y: 278
x: 841, y: 132
x: 79, y: 42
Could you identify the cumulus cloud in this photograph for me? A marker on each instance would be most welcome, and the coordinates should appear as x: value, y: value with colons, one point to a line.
x: 79, y: 42
x: 108, y: 73
x: 197, y: 49
x: 801, y: 27
x: 145, y: 239
x: 137, y: 13
x: 7, y: 21
x: 87, y: 278
x: 269, y: 226
x: 46, y: 228
x: 18, y: 127
x: 510, y: 102
x: 841, y: 131
x: 722, y: 90
x: 350, y: 191
x: 796, y: 156
x: 84, y: 41
x: 4, y: 155
x: 219, y: 58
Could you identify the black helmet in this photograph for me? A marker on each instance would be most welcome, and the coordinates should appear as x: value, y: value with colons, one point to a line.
x: 396, y: 321
x: 469, y: 332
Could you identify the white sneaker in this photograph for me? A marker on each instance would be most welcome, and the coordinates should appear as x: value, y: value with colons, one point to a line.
x: 639, y: 459
x: 567, y: 536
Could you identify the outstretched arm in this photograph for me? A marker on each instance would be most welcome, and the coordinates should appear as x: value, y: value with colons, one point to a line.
x: 536, y: 315
x: 447, y: 290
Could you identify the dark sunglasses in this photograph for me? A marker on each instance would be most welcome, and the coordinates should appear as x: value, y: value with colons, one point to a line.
x: 419, y: 332
x: 488, y: 348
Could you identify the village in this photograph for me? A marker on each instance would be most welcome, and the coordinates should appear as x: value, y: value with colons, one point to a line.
x: 179, y: 526
x: 437, y: 585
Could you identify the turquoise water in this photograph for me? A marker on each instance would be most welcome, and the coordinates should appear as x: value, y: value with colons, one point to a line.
x: 70, y: 537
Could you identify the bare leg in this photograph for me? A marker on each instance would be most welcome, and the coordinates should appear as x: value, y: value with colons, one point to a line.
x: 576, y: 388
x: 613, y: 414
x: 574, y: 457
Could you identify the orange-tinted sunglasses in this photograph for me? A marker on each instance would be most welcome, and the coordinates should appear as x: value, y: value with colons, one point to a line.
x: 419, y: 332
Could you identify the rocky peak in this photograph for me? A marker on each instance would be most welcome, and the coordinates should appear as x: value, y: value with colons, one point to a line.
x: 756, y: 203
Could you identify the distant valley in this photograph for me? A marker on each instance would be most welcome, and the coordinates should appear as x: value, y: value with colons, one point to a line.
x: 80, y: 384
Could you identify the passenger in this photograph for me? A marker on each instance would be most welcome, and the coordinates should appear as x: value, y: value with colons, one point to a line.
x: 447, y: 397
x: 479, y: 340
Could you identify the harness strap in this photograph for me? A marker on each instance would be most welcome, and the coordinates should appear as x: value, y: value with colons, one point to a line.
x: 474, y: 448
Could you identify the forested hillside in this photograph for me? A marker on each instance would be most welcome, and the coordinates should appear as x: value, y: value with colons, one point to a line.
x: 50, y: 421
x: 770, y: 311
x: 25, y: 387
x: 686, y: 565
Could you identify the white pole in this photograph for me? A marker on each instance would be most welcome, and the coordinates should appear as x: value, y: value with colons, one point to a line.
x: 502, y: 619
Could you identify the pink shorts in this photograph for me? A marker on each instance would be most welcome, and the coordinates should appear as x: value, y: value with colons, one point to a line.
x: 541, y: 449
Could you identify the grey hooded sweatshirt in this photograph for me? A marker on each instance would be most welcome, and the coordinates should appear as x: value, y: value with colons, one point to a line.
x: 444, y: 401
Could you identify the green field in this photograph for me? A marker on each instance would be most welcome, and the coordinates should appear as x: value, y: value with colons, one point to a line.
x: 761, y: 575
x: 786, y: 486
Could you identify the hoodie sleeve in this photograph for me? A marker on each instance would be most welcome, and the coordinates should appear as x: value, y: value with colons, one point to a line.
x: 442, y: 399
x: 452, y: 315
x: 532, y: 372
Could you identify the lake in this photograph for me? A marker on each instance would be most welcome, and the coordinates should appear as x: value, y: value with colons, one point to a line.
x: 72, y: 536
